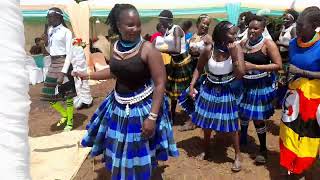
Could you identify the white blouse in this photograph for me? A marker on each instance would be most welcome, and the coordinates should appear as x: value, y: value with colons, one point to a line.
x: 198, y: 46
x: 220, y: 68
x: 169, y: 39
x: 285, y: 37
x: 60, y: 43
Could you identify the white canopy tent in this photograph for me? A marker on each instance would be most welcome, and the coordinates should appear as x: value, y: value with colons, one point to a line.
x: 79, y: 14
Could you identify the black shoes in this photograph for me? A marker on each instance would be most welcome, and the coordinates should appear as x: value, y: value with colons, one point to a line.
x: 84, y: 106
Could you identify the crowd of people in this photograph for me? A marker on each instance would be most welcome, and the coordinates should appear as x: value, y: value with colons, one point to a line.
x: 221, y: 80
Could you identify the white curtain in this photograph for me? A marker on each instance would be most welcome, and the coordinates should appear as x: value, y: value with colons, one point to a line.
x: 15, y: 101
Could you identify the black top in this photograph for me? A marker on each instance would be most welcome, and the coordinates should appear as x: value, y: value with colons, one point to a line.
x: 132, y: 73
x: 258, y: 58
x: 35, y: 50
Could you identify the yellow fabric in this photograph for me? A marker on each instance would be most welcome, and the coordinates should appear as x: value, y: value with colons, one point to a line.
x: 178, y: 80
x: 166, y: 58
x: 174, y: 94
x: 186, y: 61
x: 310, y: 88
x: 303, y: 147
x: 79, y: 17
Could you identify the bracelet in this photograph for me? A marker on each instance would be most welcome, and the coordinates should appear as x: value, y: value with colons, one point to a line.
x: 153, y: 114
x: 152, y: 118
x: 304, y: 73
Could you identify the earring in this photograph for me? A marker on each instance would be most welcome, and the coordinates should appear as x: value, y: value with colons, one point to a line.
x: 317, y: 29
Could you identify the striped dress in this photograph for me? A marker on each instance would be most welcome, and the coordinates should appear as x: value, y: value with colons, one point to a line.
x: 115, y: 128
x: 258, y: 90
x: 216, y: 106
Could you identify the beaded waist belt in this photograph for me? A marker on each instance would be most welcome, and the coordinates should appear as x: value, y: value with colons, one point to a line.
x: 57, y: 57
x: 220, y: 79
x: 134, y: 99
x: 256, y: 76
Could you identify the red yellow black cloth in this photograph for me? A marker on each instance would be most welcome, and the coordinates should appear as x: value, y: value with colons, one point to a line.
x: 299, y: 129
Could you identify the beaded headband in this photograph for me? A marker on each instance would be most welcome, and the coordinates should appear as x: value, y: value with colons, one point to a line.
x: 54, y: 12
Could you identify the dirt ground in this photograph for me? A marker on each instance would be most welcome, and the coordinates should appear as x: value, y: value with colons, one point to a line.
x: 42, y: 121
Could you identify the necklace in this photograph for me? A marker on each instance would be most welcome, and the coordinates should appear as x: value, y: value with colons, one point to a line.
x: 125, y: 53
x: 221, y: 48
x: 302, y: 44
x: 252, y: 45
x: 128, y: 44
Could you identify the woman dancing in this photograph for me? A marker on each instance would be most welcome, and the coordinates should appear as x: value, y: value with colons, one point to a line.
x: 216, y: 107
x: 197, y: 43
x: 131, y: 128
x: 179, y: 71
x: 262, y: 57
x: 59, y: 84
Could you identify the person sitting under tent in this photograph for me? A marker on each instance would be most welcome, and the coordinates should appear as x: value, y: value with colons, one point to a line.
x: 37, y: 48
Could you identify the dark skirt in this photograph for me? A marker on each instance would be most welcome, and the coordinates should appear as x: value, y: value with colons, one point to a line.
x: 66, y: 90
x: 216, y: 107
x: 194, y: 62
x: 179, y: 73
x: 117, y: 136
x: 257, y: 97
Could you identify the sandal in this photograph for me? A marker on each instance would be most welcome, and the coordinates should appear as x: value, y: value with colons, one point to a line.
x: 62, y: 121
x: 261, y: 158
x: 236, y: 167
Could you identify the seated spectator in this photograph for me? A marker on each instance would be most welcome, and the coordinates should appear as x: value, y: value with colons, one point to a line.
x: 36, y: 49
x: 160, y: 32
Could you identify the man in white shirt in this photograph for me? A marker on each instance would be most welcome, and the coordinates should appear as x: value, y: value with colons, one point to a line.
x: 15, y: 101
x: 59, y: 84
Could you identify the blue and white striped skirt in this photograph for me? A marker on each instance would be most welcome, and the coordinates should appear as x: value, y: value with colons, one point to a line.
x: 118, y: 137
x: 216, y: 108
x: 258, y: 94
x: 186, y: 101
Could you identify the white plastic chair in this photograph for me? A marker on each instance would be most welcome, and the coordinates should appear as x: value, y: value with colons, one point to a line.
x: 46, y: 65
x: 35, y: 73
